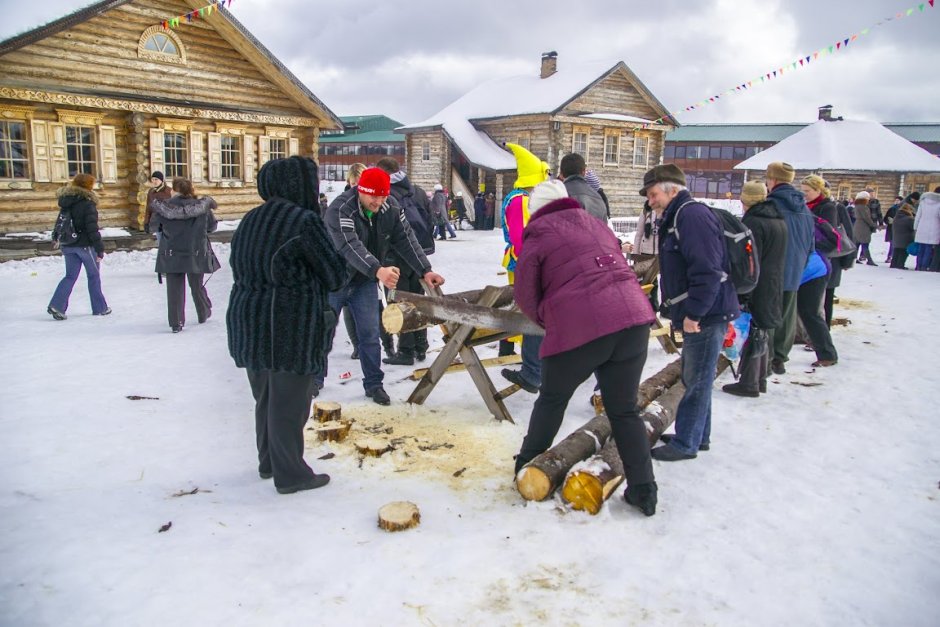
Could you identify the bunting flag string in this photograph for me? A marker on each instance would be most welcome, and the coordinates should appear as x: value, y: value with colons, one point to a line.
x: 195, y: 14
x: 802, y: 62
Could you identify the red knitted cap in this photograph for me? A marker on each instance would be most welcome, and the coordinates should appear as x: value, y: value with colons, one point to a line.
x: 374, y: 182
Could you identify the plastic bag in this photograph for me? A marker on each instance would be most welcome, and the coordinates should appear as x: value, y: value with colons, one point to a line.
x: 736, y: 336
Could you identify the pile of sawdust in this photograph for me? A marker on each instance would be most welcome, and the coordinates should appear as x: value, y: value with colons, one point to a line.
x: 851, y: 303
x: 459, y: 447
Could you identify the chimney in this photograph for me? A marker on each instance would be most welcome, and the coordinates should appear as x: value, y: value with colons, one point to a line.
x: 549, y: 64
x: 825, y: 113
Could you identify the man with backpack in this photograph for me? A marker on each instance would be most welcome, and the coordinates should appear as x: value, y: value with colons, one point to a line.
x: 701, y: 300
x: 791, y: 205
x: 413, y: 201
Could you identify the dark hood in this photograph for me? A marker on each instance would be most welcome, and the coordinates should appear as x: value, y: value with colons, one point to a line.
x: 787, y: 198
x: 764, y: 209
x: 294, y: 179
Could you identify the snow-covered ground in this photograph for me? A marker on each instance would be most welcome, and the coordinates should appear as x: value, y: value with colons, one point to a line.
x: 815, y: 506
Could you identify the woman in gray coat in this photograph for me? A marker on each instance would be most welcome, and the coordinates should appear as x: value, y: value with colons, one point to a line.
x: 185, y: 253
x: 864, y: 227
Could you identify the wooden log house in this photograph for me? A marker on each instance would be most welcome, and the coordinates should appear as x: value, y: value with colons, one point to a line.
x: 108, y: 91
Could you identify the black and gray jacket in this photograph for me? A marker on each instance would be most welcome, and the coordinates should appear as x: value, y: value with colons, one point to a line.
x: 364, y: 242
x: 581, y: 190
x: 184, y: 245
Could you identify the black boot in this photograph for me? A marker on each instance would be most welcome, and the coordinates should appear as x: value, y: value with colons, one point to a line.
x: 642, y: 496
x: 399, y: 359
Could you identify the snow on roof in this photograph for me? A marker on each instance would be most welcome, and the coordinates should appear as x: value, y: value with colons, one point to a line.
x: 514, y: 95
x: 846, y: 145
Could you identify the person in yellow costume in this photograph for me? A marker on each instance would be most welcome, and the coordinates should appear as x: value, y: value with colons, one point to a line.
x: 530, y: 171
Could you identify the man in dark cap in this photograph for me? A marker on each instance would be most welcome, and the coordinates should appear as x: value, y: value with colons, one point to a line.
x: 363, y: 225
x: 700, y: 300
x: 159, y: 190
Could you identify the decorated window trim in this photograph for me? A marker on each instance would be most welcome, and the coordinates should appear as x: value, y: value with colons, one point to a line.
x: 645, y: 140
x: 581, y: 130
x: 177, y: 58
x: 617, y: 135
x: 19, y: 115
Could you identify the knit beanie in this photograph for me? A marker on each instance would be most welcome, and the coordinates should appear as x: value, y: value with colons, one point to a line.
x: 753, y: 193
x: 530, y: 169
x: 157, y: 174
x: 546, y: 192
x: 85, y: 181
x: 294, y: 179
x: 375, y: 182
x: 591, y: 177
x: 780, y: 171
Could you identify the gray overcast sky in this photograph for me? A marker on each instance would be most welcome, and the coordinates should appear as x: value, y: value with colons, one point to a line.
x: 410, y: 58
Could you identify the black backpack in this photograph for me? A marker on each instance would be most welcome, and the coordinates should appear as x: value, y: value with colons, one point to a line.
x: 417, y: 219
x: 64, y: 233
x: 740, y: 247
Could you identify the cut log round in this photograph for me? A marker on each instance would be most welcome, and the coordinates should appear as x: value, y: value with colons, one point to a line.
x: 398, y: 516
x: 539, y: 478
x: 373, y: 447
x: 333, y: 430
x: 326, y: 411
x: 591, y: 482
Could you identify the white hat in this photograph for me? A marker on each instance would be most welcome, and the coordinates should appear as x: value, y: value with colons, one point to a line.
x: 545, y: 193
x: 438, y: 187
x: 862, y: 195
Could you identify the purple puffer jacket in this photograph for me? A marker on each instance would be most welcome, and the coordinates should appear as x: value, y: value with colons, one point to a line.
x: 573, y: 280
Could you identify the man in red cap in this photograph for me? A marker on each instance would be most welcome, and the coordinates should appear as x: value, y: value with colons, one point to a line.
x: 364, y: 223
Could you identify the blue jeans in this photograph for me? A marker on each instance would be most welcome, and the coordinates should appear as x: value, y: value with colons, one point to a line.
x: 531, y: 364
x: 76, y: 257
x: 439, y: 230
x: 363, y: 302
x: 699, y: 359
x: 925, y: 253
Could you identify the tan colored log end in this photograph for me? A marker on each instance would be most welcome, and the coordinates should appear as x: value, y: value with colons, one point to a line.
x: 398, y: 516
x: 393, y: 317
x: 373, y: 447
x: 533, y: 484
x: 333, y: 431
x: 327, y: 411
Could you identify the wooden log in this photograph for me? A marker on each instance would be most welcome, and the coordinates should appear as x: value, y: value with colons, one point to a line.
x: 333, y: 430
x: 325, y: 411
x: 650, y: 389
x: 398, y: 516
x: 660, y: 418
x: 477, y: 316
x: 404, y: 317
x: 373, y: 447
x: 590, y: 483
x: 508, y: 360
x: 539, y: 478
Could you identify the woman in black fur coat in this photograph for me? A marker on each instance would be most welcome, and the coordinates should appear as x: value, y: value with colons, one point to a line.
x: 280, y: 324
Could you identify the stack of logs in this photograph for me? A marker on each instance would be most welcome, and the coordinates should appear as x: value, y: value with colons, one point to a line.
x: 587, y: 463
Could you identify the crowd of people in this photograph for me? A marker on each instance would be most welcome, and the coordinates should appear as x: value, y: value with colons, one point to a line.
x: 299, y: 262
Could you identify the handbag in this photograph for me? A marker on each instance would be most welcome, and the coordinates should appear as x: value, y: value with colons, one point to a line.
x: 913, y: 248
x: 847, y: 246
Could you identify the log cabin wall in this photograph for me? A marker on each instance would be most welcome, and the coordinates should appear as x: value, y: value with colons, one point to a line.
x: 111, y: 83
x: 427, y: 154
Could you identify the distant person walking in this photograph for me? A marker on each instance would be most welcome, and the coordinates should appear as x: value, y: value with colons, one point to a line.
x: 79, y: 201
x: 159, y: 190
x: 902, y: 235
x: 863, y: 229
x: 185, y: 253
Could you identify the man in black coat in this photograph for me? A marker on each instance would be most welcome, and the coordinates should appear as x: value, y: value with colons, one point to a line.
x: 365, y: 223
x: 765, y: 302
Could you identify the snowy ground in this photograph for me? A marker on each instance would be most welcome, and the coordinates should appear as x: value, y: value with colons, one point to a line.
x: 815, y: 506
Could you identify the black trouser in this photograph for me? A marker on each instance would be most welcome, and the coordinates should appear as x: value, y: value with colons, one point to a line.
x: 176, y: 297
x: 899, y: 258
x: 755, y: 360
x: 415, y: 342
x: 617, y: 360
x: 809, y: 307
x: 829, y: 301
x: 282, y: 406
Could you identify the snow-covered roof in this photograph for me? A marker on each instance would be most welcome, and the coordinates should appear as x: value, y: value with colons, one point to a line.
x: 846, y: 145
x: 515, y: 95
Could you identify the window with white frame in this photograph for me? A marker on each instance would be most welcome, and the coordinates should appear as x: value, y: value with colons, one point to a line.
x: 161, y: 44
x: 14, y: 155
x: 426, y: 151
x: 641, y: 145
x: 80, y: 149
x: 525, y: 140
x: 231, y: 157
x: 176, y: 155
x: 579, y: 141
x: 278, y: 148
x: 611, y: 147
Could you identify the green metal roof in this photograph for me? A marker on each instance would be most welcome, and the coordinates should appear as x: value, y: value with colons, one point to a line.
x: 372, y: 129
x: 733, y: 132
x: 911, y: 131
x: 374, y: 137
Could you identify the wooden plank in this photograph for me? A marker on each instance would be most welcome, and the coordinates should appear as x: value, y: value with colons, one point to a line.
x: 508, y: 360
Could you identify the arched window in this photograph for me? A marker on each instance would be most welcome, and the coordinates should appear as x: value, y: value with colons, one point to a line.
x: 160, y: 44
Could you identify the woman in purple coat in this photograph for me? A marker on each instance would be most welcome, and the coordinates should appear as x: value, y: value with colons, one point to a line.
x: 573, y: 280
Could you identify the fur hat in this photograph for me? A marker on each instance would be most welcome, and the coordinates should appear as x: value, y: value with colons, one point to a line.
x: 862, y: 196
x: 546, y: 192
x: 85, y: 181
x: 157, y: 174
x: 780, y: 171
x: 666, y: 173
x: 294, y: 179
x: 753, y: 193
x: 375, y: 182
x: 530, y: 170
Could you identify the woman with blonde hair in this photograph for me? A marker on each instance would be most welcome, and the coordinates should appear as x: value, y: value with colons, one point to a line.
x: 820, y: 203
x: 80, y: 202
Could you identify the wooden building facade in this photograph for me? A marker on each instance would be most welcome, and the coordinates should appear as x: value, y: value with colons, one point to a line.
x: 604, y: 113
x: 108, y: 91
